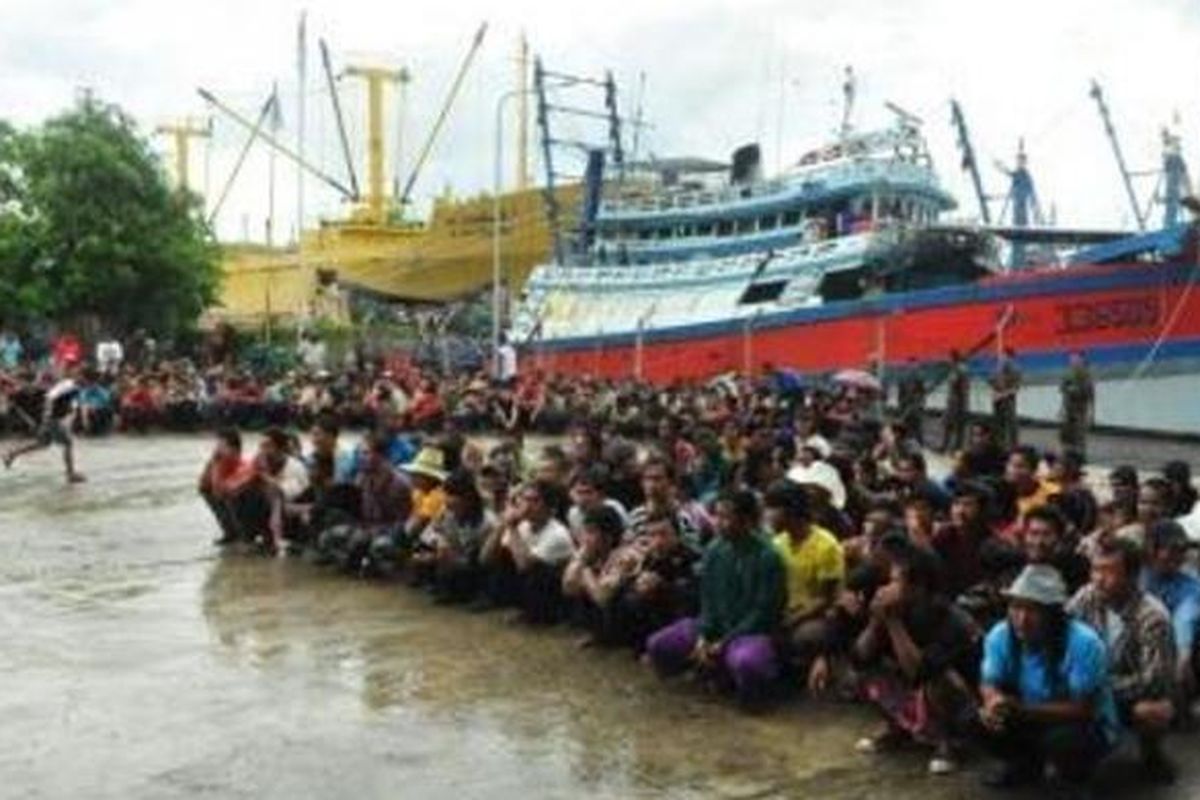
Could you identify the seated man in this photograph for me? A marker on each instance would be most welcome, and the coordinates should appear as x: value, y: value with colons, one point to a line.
x: 1046, y: 540
x: 595, y: 574
x: 663, y: 586
x: 1142, y: 664
x: 914, y: 658
x: 525, y: 558
x: 959, y: 541
x: 742, y: 596
x: 1165, y: 579
x: 814, y: 566
x: 448, y: 551
x: 1047, y: 696
x: 385, y: 501
x: 225, y: 474
x: 588, y: 492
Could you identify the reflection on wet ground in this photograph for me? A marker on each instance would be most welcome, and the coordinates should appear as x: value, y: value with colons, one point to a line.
x: 138, y: 663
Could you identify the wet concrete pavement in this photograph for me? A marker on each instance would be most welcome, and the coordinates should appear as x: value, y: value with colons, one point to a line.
x: 138, y: 663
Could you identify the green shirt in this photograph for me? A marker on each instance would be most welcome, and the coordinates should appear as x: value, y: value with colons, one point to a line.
x: 742, y: 588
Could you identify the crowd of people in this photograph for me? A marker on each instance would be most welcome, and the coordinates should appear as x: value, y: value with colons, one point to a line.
x: 756, y: 536
x: 763, y: 542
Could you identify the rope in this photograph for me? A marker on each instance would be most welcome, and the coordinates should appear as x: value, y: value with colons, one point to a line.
x: 1145, y: 363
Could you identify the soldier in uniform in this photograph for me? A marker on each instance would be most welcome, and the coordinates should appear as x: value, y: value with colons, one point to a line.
x: 1005, y: 385
x: 1078, y: 404
x: 958, y: 386
x: 910, y: 397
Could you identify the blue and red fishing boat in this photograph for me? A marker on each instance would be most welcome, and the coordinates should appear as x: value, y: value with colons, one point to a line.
x: 683, y: 269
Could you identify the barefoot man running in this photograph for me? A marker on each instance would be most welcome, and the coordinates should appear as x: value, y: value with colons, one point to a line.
x: 57, y: 415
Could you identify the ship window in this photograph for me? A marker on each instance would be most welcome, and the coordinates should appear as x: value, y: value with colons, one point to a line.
x: 763, y: 292
x: 724, y: 228
x: 645, y: 234
x: 791, y: 218
x: 664, y: 233
x: 745, y: 226
x: 768, y: 223
x: 704, y: 229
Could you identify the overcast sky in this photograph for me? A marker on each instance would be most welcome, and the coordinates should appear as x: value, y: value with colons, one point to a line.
x: 718, y: 74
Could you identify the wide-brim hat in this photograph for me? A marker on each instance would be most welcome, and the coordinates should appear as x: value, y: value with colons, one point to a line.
x: 824, y: 475
x: 819, y: 445
x: 1038, y: 583
x: 430, y: 462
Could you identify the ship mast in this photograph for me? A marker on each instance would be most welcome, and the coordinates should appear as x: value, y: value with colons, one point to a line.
x: 376, y: 78
x: 1126, y: 177
x: 182, y: 133
x: 522, y: 114
x: 968, y: 160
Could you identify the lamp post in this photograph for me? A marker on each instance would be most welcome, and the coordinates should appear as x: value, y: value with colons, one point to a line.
x: 497, y: 179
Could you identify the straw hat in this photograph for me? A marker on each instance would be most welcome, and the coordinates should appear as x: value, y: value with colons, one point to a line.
x: 822, y: 474
x: 430, y: 462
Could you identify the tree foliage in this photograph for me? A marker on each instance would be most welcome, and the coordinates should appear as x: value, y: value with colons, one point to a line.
x: 89, y: 228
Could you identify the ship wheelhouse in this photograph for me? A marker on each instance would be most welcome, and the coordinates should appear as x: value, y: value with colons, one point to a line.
x: 686, y: 241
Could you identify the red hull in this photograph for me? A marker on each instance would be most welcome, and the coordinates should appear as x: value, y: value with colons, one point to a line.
x: 1046, y: 324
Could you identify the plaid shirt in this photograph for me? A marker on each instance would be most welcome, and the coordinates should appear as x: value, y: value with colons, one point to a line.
x: 1141, y: 657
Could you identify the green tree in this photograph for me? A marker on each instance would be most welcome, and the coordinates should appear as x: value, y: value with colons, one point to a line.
x: 89, y: 228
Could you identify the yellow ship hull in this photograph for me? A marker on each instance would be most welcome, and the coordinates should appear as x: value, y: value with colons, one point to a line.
x: 447, y: 259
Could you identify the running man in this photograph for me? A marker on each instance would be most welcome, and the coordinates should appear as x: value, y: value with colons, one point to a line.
x: 58, y: 414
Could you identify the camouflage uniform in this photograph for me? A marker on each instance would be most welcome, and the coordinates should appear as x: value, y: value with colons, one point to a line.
x: 1078, y: 398
x: 1005, y: 385
x: 954, y: 424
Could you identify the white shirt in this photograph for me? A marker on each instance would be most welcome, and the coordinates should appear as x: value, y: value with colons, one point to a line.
x: 293, y: 478
x: 550, y: 545
x: 508, y: 362
x: 312, y: 354
x: 109, y: 355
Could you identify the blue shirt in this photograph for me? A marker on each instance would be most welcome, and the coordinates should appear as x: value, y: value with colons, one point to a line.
x: 95, y: 396
x: 1180, y: 593
x: 1083, y: 673
x: 401, y: 450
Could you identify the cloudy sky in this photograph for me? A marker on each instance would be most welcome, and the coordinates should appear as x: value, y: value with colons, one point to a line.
x: 718, y: 74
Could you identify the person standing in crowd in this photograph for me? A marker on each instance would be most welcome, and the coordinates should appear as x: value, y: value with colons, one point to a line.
x: 1142, y: 664
x: 910, y: 397
x: 1179, y: 591
x: 1006, y: 384
x: 1078, y: 404
x: 1044, y: 680
x: 958, y: 404
x: 58, y: 415
x: 109, y: 355
x: 742, y: 596
x: 506, y: 362
x: 11, y: 350
x: 312, y: 352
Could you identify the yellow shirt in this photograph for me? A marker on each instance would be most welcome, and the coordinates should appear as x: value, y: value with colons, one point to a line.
x: 428, y: 505
x: 1039, y: 498
x: 810, y: 566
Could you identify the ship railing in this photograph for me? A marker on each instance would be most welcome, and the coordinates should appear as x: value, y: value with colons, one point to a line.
x: 831, y: 177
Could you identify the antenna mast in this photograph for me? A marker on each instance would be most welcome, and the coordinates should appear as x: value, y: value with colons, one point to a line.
x: 968, y: 160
